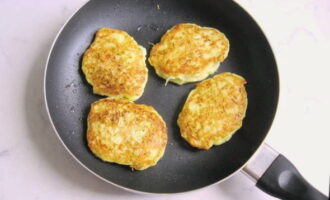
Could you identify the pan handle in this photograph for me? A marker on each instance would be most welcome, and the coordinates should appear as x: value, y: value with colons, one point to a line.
x: 276, y: 175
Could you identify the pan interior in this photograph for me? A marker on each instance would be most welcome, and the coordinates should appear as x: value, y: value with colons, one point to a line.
x: 182, y: 168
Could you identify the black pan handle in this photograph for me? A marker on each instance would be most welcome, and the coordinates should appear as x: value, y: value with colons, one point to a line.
x: 277, y: 176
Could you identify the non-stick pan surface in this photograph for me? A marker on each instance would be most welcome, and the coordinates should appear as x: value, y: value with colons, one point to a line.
x: 183, y: 168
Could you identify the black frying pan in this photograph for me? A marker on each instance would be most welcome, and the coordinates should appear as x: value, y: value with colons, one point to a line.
x: 183, y: 168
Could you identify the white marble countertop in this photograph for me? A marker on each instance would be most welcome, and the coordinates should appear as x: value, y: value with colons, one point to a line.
x: 34, y: 164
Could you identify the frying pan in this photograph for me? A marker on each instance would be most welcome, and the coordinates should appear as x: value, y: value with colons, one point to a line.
x: 68, y: 97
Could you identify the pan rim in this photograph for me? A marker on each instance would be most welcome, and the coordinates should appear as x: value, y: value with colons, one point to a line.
x: 157, y: 193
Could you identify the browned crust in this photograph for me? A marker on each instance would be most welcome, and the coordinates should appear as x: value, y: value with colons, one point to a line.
x: 181, y: 50
x: 113, y: 120
x: 115, y: 67
x: 213, y: 111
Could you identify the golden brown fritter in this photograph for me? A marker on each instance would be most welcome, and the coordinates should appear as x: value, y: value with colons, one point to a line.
x: 189, y: 53
x: 213, y: 111
x: 115, y: 66
x: 126, y: 133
